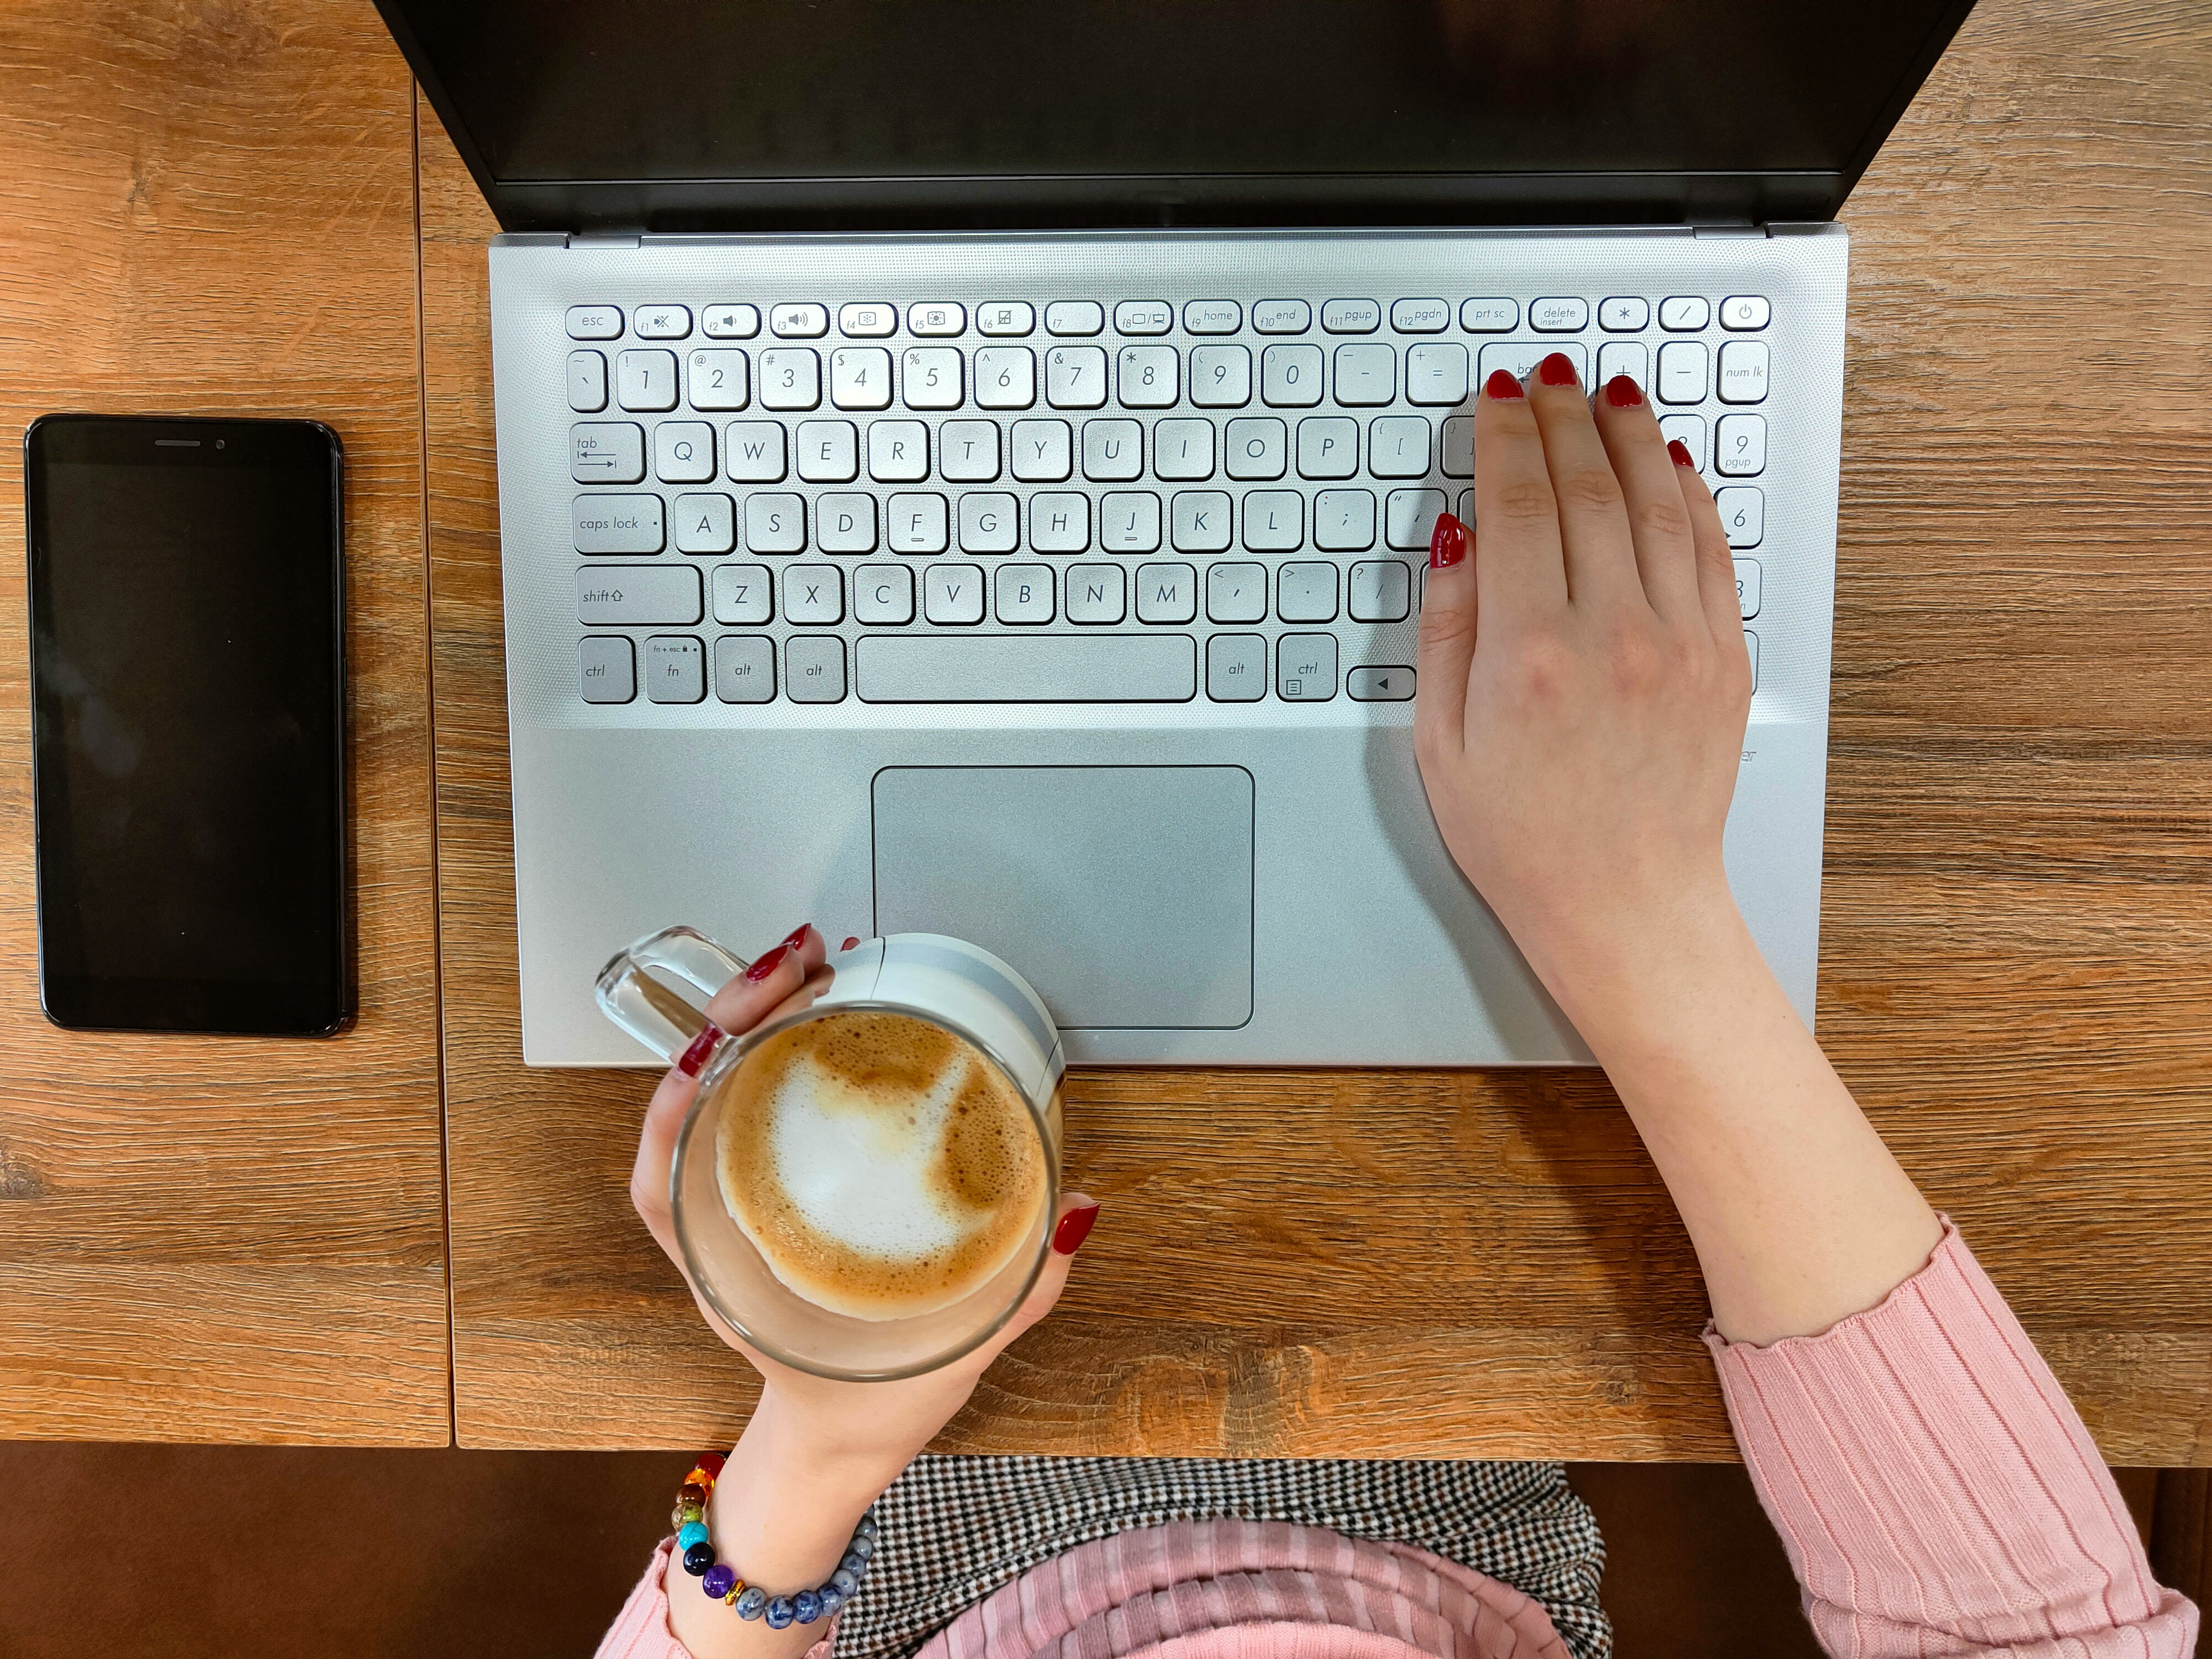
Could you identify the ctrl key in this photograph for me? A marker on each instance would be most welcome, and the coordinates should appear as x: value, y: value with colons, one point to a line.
x: 608, y: 670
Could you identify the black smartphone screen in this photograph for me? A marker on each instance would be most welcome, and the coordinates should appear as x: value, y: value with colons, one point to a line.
x: 187, y: 673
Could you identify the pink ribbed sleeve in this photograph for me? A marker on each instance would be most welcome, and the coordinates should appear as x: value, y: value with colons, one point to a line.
x: 1937, y: 1492
x: 640, y: 1630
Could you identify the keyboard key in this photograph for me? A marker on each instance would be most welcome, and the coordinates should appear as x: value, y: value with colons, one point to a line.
x: 967, y: 451
x: 1074, y: 316
x: 989, y: 523
x: 645, y: 379
x: 744, y: 594
x: 731, y: 322
x: 675, y: 669
x: 1684, y: 313
x: 744, y: 668
x: 1747, y: 587
x: 1211, y: 316
x: 706, y: 523
x: 1420, y: 316
x: 1559, y: 316
x: 932, y: 377
x: 1350, y: 317
x: 1380, y: 590
x: 1199, y: 521
x: 1372, y: 683
x: 882, y: 595
x: 1519, y: 358
x: 936, y: 319
x: 1682, y: 372
x: 1275, y: 521
x: 1436, y: 373
x: 1237, y: 667
x: 1005, y: 377
x: 1143, y: 316
x: 798, y: 322
x: 1113, y: 451
x: 606, y: 451
x: 1743, y: 311
x: 776, y: 523
x: 898, y: 451
x: 1095, y: 595
x: 916, y: 524
x: 1075, y: 377
x: 684, y: 451
x: 1740, y: 446
x: 1043, y: 451
x: 860, y: 377
x: 1743, y: 514
x: 845, y: 522
x: 1129, y: 522
x: 1060, y: 521
x: 1220, y: 376
x: 1457, y: 460
x: 1627, y: 357
x: 595, y: 323
x: 1409, y: 517
x: 1305, y: 667
x: 1328, y: 447
x: 718, y: 380
x: 901, y: 668
x: 1489, y: 316
x: 1149, y: 377
x: 790, y: 378
x: 1625, y: 315
x: 813, y: 594
x: 607, y: 668
x: 1366, y: 375
x: 867, y: 321
x: 1166, y: 593
x: 1237, y: 592
x: 1025, y: 594
x: 587, y: 382
x: 829, y: 451
x: 814, y: 668
x: 1305, y: 591
x: 1290, y: 376
x: 637, y: 595
x: 1344, y: 520
x: 752, y: 452
x: 1182, y: 450
x: 1743, y: 371
x: 619, y: 523
x: 1689, y: 431
x: 662, y: 323
x: 1398, y: 446
x: 1005, y: 317
x: 1256, y: 448
x: 1751, y: 644
x: 1281, y: 317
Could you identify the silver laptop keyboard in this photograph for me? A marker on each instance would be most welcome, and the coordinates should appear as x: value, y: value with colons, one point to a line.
x: 1147, y: 502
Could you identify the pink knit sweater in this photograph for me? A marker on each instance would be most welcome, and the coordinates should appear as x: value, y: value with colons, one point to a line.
x: 1936, y: 1493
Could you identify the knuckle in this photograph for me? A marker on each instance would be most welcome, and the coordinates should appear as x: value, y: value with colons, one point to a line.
x: 1639, y: 661
x: 1525, y: 501
x: 1592, y: 488
x: 1544, y: 666
x: 1664, y: 519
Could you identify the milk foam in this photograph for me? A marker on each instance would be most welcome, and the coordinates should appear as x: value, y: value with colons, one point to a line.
x: 860, y: 1175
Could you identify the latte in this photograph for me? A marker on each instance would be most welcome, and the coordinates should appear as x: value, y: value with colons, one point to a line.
x: 881, y: 1166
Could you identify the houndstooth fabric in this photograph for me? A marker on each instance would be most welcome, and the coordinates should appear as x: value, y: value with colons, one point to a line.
x: 957, y: 1528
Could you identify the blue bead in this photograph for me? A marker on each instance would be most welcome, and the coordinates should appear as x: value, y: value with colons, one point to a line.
x: 698, y: 1558
x: 722, y: 1578
x: 752, y: 1602
x: 831, y: 1601
x: 780, y: 1614
x: 853, y: 1564
x: 692, y: 1532
x: 844, y: 1582
x: 868, y: 1528
x: 862, y: 1546
x: 807, y: 1607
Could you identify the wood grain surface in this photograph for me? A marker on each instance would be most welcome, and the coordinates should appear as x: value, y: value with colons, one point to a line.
x: 2017, y: 933
x: 209, y: 209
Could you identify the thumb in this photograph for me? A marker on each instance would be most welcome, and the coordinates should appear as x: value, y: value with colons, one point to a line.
x: 1445, y: 652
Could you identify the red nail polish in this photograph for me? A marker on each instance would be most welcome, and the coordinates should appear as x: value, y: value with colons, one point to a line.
x: 1446, y: 543
x: 694, y: 1059
x: 768, y: 964
x: 1501, y: 385
x: 1681, y: 452
x: 1074, y: 1227
x: 1557, y: 369
x: 852, y: 943
x: 1622, y: 393
x: 797, y: 936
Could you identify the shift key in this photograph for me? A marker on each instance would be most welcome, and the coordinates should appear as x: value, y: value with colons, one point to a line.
x: 637, y: 595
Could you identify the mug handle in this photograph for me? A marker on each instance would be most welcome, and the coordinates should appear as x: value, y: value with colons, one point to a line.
x: 645, y: 1005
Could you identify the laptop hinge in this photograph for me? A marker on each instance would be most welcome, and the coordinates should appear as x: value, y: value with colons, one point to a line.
x: 1729, y: 227
x: 605, y: 240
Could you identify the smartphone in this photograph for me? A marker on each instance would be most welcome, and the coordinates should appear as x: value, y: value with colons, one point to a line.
x: 188, y: 723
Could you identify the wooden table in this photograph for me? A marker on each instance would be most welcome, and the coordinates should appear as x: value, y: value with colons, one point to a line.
x: 2016, y: 952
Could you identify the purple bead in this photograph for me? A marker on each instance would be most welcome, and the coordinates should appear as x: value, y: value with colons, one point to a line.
x: 720, y: 1580
x: 698, y: 1558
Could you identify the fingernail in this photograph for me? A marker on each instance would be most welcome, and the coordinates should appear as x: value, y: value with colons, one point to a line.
x: 1074, y: 1227
x: 1557, y: 369
x: 694, y: 1060
x: 1446, y: 543
x: 852, y: 942
x: 797, y: 936
x: 768, y: 964
x: 1501, y: 385
x: 1681, y: 452
x: 1622, y: 393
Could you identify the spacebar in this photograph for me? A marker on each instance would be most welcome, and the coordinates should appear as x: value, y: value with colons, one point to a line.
x: 1027, y: 668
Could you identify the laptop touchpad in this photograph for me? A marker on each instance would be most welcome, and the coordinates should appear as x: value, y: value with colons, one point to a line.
x: 1122, y: 893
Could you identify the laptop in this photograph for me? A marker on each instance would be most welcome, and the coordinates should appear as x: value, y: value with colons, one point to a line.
x: 966, y: 466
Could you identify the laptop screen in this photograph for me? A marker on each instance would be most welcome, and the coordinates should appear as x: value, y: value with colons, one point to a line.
x: 669, y: 116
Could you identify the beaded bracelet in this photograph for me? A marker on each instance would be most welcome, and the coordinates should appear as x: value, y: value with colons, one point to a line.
x: 751, y: 1601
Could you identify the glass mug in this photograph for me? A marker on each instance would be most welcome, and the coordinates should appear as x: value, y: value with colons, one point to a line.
x: 649, y: 991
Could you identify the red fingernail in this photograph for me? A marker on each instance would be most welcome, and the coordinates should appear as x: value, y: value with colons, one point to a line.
x: 1681, y: 452
x: 695, y: 1058
x: 797, y: 936
x: 768, y: 964
x: 852, y: 943
x: 1074, y: 1227
x: 1557, y: 369
x: 1446, y: 543
x: 1501, y: 385
x: 1622, y: 393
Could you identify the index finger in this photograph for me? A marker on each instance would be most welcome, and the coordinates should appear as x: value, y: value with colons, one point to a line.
x: 1523, y: 569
